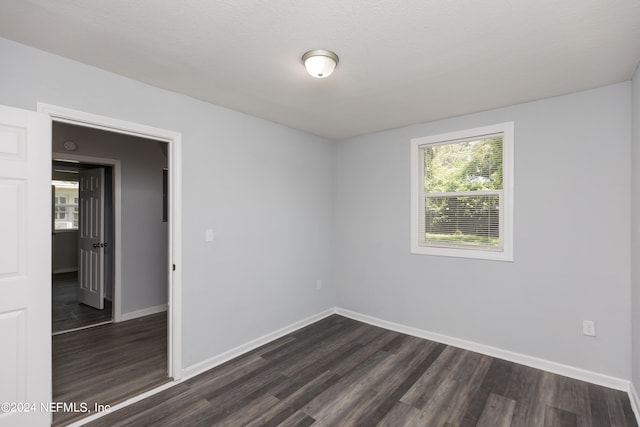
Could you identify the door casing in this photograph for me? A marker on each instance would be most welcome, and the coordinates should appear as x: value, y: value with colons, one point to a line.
x: 116, y: 201
x: 174, y: 273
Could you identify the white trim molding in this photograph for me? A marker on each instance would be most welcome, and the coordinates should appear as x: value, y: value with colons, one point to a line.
x: 144, y: 312
x: 81, y: 118
x: 635, y: 401
x: 212, y: 362
x: 523, y: 359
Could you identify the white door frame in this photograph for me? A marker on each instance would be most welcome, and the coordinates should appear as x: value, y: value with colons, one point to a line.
x: 174, y: 140
x: 117, y: 220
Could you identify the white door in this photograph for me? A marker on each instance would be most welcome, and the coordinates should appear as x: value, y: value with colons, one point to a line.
x: 25, y: 267
x: 91, y: 225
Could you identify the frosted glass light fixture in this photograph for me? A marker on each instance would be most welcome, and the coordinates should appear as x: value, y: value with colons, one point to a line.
x: 320, y: 63
x: 70, y: 146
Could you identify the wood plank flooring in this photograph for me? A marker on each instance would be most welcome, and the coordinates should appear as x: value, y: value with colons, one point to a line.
x: 67, y: 313
x: 340, y: 372
x: 108, y: 364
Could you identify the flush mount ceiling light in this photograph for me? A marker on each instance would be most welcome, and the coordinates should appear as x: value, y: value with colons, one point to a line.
x: 320, y: 63
x: 70, y: 146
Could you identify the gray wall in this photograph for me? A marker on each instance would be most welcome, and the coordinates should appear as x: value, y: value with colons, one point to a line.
x: 289, y: 208
x: 635, y: 230
x: 65, y: 251
x: 144, y: 235
x: 571, y: 237
x: 265, y: 190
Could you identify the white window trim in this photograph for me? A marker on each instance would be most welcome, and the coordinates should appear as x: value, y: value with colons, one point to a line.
x: 506, y: 254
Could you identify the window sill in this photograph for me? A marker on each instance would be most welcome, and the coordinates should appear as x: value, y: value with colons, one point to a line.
x: 464, y: 253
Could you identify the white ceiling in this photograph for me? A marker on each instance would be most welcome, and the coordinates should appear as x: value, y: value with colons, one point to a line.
x: 401, y: 61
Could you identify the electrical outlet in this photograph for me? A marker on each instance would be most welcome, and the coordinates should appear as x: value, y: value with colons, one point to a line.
x: 319, y: 284
x: 589, y: 328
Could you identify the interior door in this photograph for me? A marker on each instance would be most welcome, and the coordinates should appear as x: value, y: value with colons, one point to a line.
x: 91, y: 235
x: 25, y: 267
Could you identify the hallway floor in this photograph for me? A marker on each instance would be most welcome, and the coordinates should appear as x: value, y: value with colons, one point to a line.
x: 67, y: 313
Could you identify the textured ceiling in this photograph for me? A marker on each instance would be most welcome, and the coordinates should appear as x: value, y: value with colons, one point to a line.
x: 401, y: 61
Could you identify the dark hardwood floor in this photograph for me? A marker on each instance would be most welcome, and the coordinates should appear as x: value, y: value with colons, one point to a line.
x: 108, y: 364
x: 67, y: 313
x: 340, y: 372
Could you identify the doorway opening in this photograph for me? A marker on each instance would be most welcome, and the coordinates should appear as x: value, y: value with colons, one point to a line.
x: 74, y: 305
x: 131, y: 314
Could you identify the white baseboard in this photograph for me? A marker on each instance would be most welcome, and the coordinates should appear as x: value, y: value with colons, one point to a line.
x: 205, y: 365
x: 64, y: 270
x: 523, y: 359
x: 144, y: 312
x: 635, y: 401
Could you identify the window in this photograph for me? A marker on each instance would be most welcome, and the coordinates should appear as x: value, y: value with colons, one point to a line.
x: 462, y: 193
x: 61, y: 212
x: 65, y: 211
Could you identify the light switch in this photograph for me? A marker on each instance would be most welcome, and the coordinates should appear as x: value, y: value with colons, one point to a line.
x: 208, y: 235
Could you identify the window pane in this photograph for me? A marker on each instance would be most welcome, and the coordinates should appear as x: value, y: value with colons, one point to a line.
x: 463, y: 221
x: 65, y: 210
x: 464, y: 166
